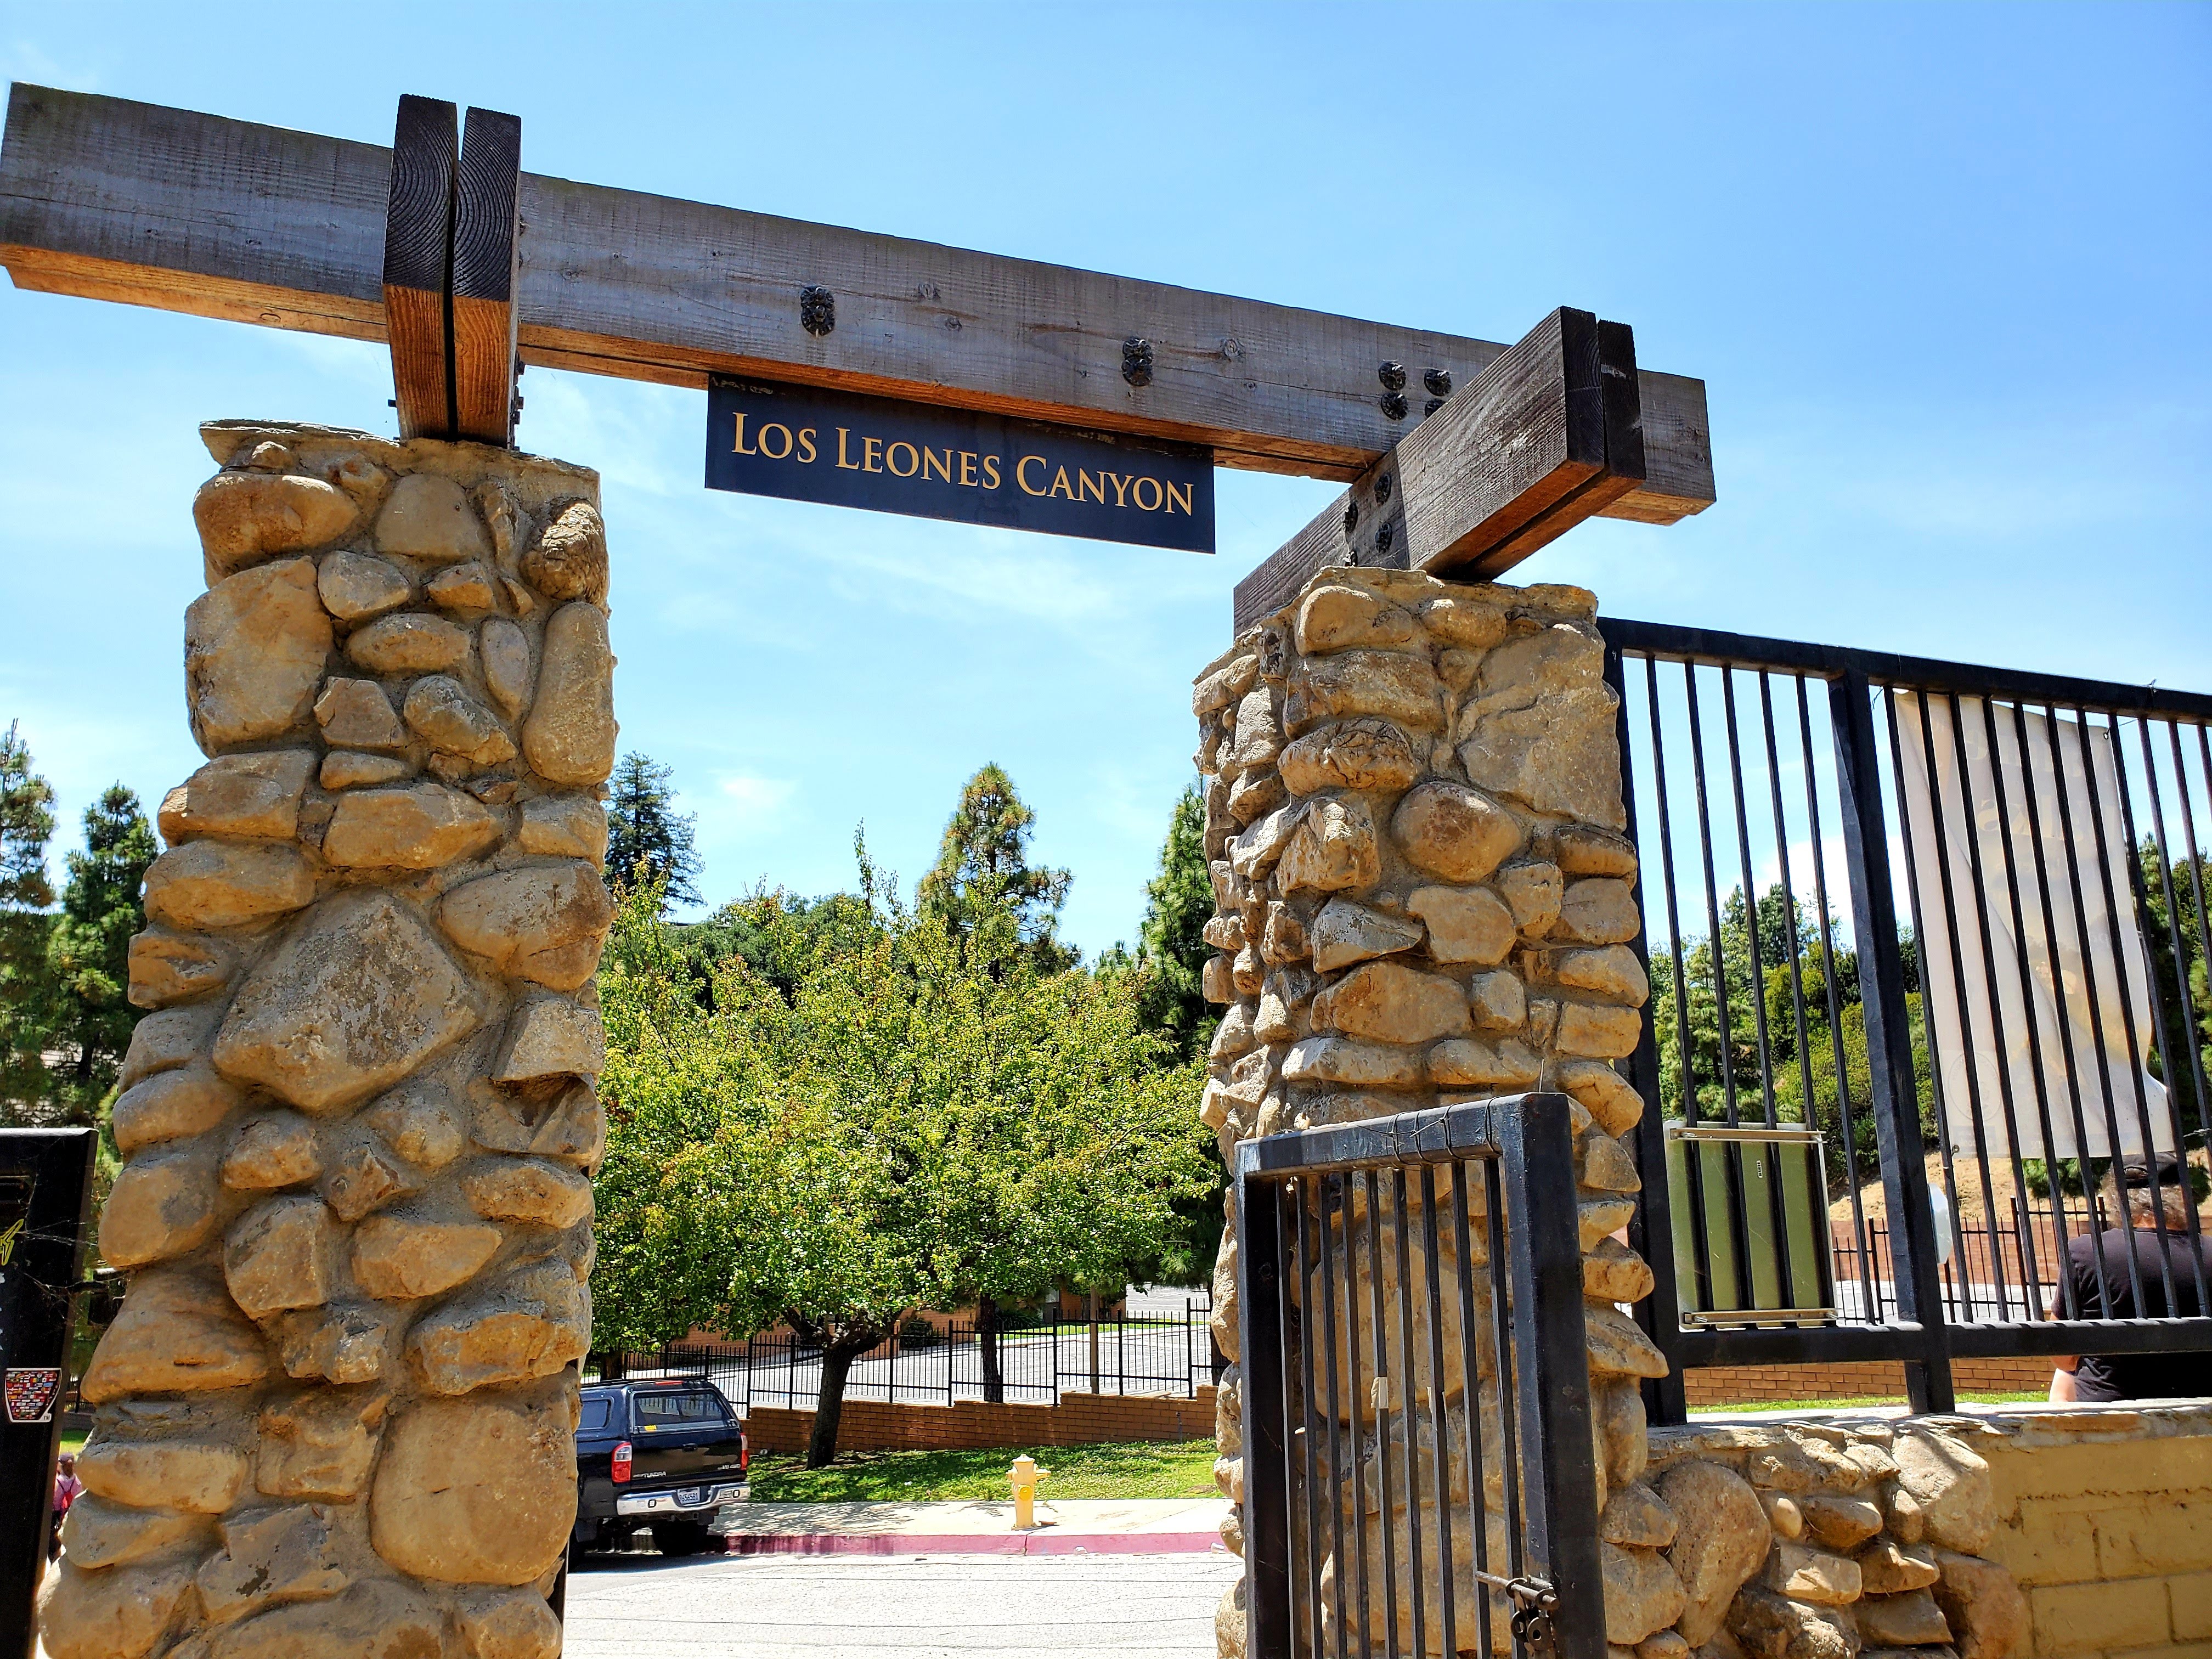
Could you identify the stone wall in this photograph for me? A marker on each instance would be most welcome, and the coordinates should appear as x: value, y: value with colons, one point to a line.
x: 335, y: 1413
x: 1424, y: 897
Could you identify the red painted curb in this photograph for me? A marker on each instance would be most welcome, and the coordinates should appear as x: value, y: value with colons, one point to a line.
x: 971, y: 1543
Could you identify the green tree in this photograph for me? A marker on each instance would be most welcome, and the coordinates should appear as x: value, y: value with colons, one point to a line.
x: 918, y: 1119
x: 26, y: 824
x: 644, y: 828
x: 88, y: 952
x: 983, y: 875
x: 2172, y: 896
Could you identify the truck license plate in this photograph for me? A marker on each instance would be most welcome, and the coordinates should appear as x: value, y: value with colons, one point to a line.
x: 690, y: 1494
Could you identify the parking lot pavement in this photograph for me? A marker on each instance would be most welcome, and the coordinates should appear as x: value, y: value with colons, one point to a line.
x: 896, y: 1607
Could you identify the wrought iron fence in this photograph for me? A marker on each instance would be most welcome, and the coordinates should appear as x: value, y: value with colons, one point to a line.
x: 1953, y: 919
x: 1412, y: 1324
x: 1040, y: 1358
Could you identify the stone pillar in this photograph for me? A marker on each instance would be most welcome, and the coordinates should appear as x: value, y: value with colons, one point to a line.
x: 1424, y: 897
x: 336, y: 1415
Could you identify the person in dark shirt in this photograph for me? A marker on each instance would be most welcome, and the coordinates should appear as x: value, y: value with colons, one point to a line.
x: 2103, y: 1284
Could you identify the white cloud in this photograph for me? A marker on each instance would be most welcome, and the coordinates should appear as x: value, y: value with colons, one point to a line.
x: 764, y: 796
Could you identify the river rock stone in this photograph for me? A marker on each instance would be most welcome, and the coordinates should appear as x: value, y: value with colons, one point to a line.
x: 417, y: 827
x: 564, y: 826
x: 344, y: 769
x: 1606, y: 1166
x: 1498, y: 1001
x: 1353, y: 1064
x: 1618, y: 1344
x: 1467, y: 622
x: 1257, y: 738
x: 402, y: 1258
x: 505, y: 654
x: 1332, y: 850
x: 255, y: 647
x: 1465, y: 924
x: 1912, y: 1619
x: 1466, y: 1063
x: 572, y: 1129
x: 277, y: 1255
x: 408, y: 643
x: 1597, y: 1031
x: 1804, y: 1574
x: 1610, y: 971
x: 1986, y: 1612
x: 1951, y: 1484
x: 358, y: 715
x: 570, y: 736
x: 1389, y: 685
x: 249, y: 797
x: 1452, y: 831
x: 419, y: 1123
x: 278, y: 1151
x: 168, y: 968
x: 1258, y: 848
x: 99, y: 1534
x: 1534, y: 893
x: 1614, y: 1272
x: 1357, y: 754
x: 377, y: 1619
x: 545, y: 924
x: 517, y: 1625
x: 1581, y: 849
x: 165, y: 1041
x: 160, y: 1207
x: 1595, y: 1217
x: 568, y: 560
x: 531, y: 1324
x: 1597, y: 911
x: 428, y: 518
x: 463, y: 587
x: 319, y: 1442
x: 1721, y: 1538
x: 1392, y: 1003
x: 1888, y: 1568
x: 1837, y: 1522
x: 1339, y: 617
x: 171, y: 1106
x: 1215, y: 690
x: 478, y: 1491
x: 351, y: 1003
x: 177, y: 1333
x: 445, y: 716
x: 164, y: 1474
x: 344, y: 1344
x: 212, y: 884
x: 1770, y: 1626
x: 119, y: 1613
x: 549, y: 1038
x: 1634, y: 1516
x: 247, y: 516
x: 1257, y: 790
x: 1561, y: 756
x: 1642, y: 1594
x: 1607, y: 1095
x: 528, y: 1190
x: 270, y: 1557
x: 359, y: 587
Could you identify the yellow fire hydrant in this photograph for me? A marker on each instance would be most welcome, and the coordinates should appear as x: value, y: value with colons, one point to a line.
x: 1026, y: 1474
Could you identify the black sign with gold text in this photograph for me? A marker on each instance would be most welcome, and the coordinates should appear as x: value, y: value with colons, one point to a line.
x: 846, y: 450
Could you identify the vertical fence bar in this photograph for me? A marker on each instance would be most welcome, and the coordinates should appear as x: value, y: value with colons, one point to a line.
x: 1413, y: 1565
x: 1260, y: 1336
x: 1477, y: 1493
x: 1384, y: 1405
x: 1551, y: 1381
x: 1650, y: 1230
x: 1357, y: 1485
x: 1889, y: 1040
x: 1307, y: 1191
x: 1439, y: 1424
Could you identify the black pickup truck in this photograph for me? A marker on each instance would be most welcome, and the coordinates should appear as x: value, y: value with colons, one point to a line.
x: 659, y: 1453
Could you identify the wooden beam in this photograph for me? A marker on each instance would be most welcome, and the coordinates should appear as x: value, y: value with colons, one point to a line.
x: 418, y: 266
x: 1550, y: 433
x: 116, y: 200
x: 487, y: 202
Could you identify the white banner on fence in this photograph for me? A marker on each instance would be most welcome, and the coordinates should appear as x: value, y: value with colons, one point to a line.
x: 1965, y: 1046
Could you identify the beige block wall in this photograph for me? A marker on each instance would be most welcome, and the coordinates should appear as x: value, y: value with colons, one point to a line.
x: 2105, y: 1517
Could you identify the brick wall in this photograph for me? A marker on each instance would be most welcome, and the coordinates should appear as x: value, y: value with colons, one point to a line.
x: 1079, y: 1419
x: 1746, y: 1385
x: 2105, y: 1517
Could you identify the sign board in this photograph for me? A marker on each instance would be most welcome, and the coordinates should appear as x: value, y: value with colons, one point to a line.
x: 802, y: 444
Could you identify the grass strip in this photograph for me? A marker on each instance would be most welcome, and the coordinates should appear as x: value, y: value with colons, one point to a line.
x: 1120, y: 1469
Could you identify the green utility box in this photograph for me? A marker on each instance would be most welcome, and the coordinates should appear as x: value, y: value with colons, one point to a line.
x: 1737, y: 1262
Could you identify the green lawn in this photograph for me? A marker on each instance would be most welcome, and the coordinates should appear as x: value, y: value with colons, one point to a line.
x: 1853, y: 1402
x: 1137, y: 1469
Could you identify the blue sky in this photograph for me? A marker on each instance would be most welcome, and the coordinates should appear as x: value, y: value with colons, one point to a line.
x: 1944, y: 271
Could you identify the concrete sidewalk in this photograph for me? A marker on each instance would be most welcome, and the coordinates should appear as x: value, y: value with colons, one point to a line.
x: 1094, y: 1527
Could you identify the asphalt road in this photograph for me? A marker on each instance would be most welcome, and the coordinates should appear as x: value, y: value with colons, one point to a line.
x: 914, y: 1607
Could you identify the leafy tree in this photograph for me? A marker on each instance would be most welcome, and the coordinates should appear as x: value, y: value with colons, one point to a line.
x: 888, y: 1114
x: 644, y: 828
x: 89, y: 951
x: 983, y: 871
x: 26, y: 824
x: 2172, y: 893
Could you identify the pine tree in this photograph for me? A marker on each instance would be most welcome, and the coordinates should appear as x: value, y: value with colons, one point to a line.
x: 27, y: 823
x: 1171, y: 950
x: 983, y: 877
x: 88, y: 953
x: 641, y: 826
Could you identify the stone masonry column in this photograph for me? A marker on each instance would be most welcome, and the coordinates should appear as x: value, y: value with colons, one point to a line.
x: 336, y: 1415
x: 1424, y: 895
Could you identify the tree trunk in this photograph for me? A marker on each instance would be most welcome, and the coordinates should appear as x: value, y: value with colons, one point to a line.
x: 987, y: 1345
x: 837, y: 1359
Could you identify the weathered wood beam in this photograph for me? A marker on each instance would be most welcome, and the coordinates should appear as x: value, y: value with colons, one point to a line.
x: 486, y: 222
x: 418, y: 266
x: 1549, y: 435
x: 116, y: 200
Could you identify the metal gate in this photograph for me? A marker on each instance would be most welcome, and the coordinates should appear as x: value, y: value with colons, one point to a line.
x: 1412, y: 1323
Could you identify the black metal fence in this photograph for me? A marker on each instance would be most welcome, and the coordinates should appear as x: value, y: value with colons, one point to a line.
x: 1953, y: 919
x: 1412, y: 1322
x: 1040, y: 1358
